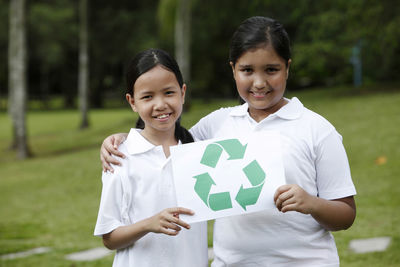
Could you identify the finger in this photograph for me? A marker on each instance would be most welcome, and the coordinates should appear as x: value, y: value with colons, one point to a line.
x: 180, y: 210
x: 280, y: 200
x: 118, y: 140
x: 290, y: 207
x: 172, y: 226
x: 106, y: 167
x: 171, y: 217
x: 112, y: 160
x: 280, y: 190
x: 183, y: 224
x: 106, y: 157
x: 110, y: 149
x: 289, y: 202
x: 118, y: 153
x: 178, y: 221
x: 278, y: 203
x: 169, y: 232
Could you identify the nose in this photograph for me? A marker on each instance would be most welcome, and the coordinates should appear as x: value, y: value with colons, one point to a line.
x: 160, y: 103
x: 260, y: 81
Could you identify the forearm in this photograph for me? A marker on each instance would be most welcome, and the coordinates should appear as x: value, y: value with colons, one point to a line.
x: 126, y: 235
x: 334, y: 215
x: 166, y: 222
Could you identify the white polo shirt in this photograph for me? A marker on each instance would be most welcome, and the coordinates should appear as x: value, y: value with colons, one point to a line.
x: 314, y: 158
x: 140, y: 188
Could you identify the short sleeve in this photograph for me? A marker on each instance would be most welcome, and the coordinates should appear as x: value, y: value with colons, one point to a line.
x: 109, y: 217
x: 333, y: 171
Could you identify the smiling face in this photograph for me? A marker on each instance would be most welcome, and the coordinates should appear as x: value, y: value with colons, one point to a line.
x: 260, y: 76
x: 158, y: 99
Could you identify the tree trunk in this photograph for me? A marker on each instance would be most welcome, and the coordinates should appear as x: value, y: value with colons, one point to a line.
x: 182, y: 42
x: 17, y: 55
x: 83, y: 77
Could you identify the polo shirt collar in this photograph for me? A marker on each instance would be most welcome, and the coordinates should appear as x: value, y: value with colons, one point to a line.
x: 291, y: 111
x: 136, y: 143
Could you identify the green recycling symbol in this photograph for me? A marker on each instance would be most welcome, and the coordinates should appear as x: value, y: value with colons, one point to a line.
x: 222, y: 200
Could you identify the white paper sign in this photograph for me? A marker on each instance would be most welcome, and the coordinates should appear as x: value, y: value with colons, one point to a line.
x: 228, y: 176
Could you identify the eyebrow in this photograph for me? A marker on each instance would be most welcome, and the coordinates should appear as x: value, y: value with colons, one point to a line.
x: 151, y: 92
x: 267, y: 65
x: 168, y: 88
x: 145, y: 92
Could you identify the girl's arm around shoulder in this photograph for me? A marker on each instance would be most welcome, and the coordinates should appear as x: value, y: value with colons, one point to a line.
x: 333, y: 215
x: 109, y: 148
x: 166, y: 222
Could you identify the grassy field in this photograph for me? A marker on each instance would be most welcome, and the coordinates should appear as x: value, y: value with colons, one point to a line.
x: 52, y: 199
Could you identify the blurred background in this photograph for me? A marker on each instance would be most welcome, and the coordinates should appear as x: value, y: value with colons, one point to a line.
x: 62, y: 88
x: 328, y: 37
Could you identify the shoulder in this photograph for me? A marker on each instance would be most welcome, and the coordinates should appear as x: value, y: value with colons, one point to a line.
x: 221, y: 113
x: 295, y: 110
x: 319, y: 126
x: 207, y: 125
x: 316, y: 119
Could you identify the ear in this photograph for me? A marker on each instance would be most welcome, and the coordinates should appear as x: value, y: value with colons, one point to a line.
x: 233, y: 69
x: 287, y: 68
x: 131, y: 101
x: 183, y: 90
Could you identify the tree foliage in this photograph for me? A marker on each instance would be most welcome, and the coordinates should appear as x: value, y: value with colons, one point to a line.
x: 323, y: 34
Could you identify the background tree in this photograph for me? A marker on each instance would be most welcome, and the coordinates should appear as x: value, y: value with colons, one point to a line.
x: 182, y: 42
x: 118, y: 30
x: 17, y: 76
x: 322, y: 35
x: 4, y: 33
x: 53, y: 50
x: 83, y: 78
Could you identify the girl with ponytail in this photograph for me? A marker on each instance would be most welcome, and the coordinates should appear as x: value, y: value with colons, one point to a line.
x: 138, y: 215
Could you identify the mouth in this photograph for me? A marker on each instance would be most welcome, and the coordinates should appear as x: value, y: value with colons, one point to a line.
x: 162, y: 117
x: 260, y: 94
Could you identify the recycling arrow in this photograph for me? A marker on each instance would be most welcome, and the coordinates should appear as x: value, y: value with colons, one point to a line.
x: 248, y: 196
x: 217, y: 201
x: 203, y: 186
x: 256, y: 175
x: 213, y: 151
x: 204, y: 182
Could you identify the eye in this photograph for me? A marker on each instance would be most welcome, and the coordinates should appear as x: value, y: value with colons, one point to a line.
x: 170, y: 92
x: 146, y: 97
x: 271, y: 70
x: 246, y: 70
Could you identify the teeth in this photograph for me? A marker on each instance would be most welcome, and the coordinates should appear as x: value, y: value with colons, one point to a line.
x: 260, y: 93
x: 162, y: 116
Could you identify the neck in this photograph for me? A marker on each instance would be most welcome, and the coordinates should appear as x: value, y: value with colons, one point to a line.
x: 260, y: 114
x: 162, y: 138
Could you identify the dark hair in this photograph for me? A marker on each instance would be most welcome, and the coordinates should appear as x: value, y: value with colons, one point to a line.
x: 258, y: 31
x: 142, y: 63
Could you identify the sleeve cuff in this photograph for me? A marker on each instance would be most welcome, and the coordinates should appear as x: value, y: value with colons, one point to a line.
x: 102, y: 229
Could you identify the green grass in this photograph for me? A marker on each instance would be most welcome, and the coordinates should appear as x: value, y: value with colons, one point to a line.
x: 52, y: 199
